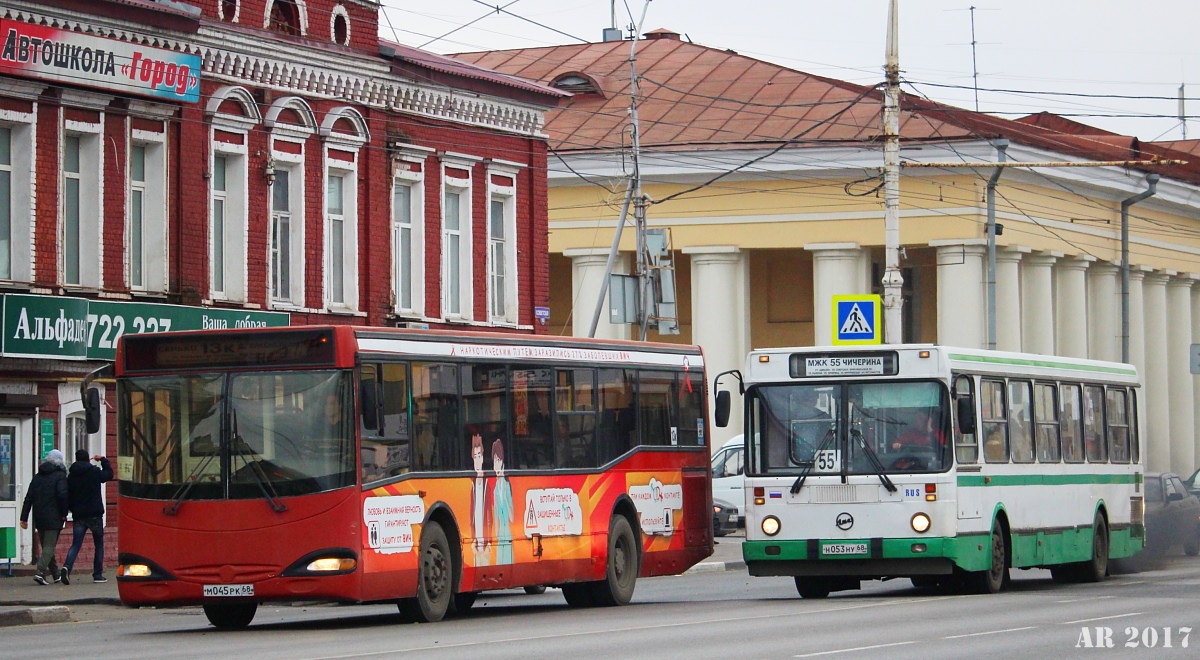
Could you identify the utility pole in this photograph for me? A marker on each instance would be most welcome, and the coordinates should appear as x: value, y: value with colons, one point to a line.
x: 1182, y: 112
x: 1000, y: 145
x: 893, y: 281
x: 974, y: 66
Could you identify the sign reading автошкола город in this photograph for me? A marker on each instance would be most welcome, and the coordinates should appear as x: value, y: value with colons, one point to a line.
x: 64, y: 328
x: 76, y: 58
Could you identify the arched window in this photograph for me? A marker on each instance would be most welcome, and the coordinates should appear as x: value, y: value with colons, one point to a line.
x: 339, y: 25
x: 285, y: 17
x: 229, y: 10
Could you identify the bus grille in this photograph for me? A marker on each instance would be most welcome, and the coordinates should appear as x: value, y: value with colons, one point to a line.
x: 1137, y: 511
x: 844, y: 494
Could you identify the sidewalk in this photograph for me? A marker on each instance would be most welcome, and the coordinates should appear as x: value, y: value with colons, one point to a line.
x: 726, y: 556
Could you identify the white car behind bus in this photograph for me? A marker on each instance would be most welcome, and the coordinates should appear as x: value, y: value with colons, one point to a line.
x: 729, y: 476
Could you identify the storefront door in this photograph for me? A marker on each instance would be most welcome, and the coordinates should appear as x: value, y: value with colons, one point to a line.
x: 15, y: 474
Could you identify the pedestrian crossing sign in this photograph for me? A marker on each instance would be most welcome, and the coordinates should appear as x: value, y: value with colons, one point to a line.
x: 857, y: 320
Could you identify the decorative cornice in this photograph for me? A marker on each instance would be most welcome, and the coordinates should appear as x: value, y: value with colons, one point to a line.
x: 239, y: 57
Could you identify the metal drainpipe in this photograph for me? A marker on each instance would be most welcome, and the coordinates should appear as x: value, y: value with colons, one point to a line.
x: 1151, y: 183
x: 1000, y: 145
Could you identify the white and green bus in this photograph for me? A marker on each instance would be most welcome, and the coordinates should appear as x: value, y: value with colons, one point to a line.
x: 943, y: 465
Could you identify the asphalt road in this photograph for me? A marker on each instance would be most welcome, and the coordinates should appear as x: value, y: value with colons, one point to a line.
x: 711, y: 615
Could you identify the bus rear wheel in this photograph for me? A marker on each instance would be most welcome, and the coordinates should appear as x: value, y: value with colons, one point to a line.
x: 812, y: 587
x: 621, y: 571
x: 230, y: 616
x: 435, y: 569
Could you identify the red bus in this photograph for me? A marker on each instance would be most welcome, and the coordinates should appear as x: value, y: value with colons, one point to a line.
x: 410, y: 466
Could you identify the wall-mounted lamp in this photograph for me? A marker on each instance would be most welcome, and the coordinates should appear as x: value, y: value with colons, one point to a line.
x: 269, y: 173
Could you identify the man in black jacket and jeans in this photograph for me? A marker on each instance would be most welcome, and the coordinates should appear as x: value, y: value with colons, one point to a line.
x: 47, y: 499
x: 87, y: 508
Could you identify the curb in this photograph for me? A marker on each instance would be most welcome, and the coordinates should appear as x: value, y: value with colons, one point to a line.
x: 63, y: 602
x: 716, y: 567
x: 34, y: 615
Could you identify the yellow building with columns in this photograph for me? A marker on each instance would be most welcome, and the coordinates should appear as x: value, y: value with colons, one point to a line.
x: 769, y: 182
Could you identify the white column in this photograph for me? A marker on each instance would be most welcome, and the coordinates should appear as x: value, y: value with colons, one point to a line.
x: 1137, y: 319
x: 1070, y: 307
x: 1037, y: 303
x: 1104, y: 312
x: 1196, y: 379
x: 837, y: 270
x: 1008, y: 298
x: 1179, y: 339
x: 721, y: 319
x: 1158, y: 410
x: 961, y: 302
x: 587, y: 276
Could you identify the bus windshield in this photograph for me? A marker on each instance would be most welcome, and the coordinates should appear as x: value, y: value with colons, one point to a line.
x: 236, y: 436
x: 823, y: 428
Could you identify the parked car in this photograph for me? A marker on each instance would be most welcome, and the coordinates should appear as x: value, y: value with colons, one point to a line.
x: 725, y: 517
x: 1172, y: 515
x: 729, y: 478
x: 1192, y: 485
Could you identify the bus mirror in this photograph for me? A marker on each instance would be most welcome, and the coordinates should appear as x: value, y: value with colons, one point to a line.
x: 966, y: 415
x: 370, y: 405
x: 722, y: 412
x: 92, y: 410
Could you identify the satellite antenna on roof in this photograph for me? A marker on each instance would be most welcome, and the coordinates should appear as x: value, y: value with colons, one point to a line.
x: 1182, y: 112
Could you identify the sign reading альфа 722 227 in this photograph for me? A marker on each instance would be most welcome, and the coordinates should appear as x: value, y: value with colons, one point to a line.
x: 60, y: 327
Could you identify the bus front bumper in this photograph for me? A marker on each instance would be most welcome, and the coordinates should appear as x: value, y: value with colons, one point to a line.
x: 883, y: 557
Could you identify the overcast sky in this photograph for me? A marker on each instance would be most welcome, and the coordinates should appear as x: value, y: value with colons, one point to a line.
x: 1095, y: 47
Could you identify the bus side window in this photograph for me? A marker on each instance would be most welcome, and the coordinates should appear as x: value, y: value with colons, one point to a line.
x: 533, y: 440
x: 1020, y: 422
x: 1118, y: 425
x: 1045, y: 417
x: 1094, y: 442
x: 690, y: 393
x: 966, y: 447
x: 654, y: 409
x: 1071, y: 407
x: 435, y: 427
x: 575, y: 412
x: 995, y: 421
x: 618, y: 416
x: 386, y: 448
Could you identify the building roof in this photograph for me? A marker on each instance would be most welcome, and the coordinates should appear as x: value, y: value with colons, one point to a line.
x: 466, y: 69
x: 700, y: 97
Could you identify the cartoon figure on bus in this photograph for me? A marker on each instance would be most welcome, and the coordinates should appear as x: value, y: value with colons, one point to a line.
x: 502, y: 508
x: 479, y: 502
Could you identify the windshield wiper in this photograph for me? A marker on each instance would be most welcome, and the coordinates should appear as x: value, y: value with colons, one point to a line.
x: 255, y: 469
x: 874, y: 460
x: 177, y: 499
x: 799, y: 483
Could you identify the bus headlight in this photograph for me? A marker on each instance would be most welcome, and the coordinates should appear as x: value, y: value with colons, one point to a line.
x: 326, y: 564
x: 770, y: 525
x: 920, y: 523
x: 133, y: 570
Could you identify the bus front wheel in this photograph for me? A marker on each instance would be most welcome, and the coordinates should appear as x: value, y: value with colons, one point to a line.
x: 230, y: 616
x: 995, y: 577
x: 1096, y: 568
x: 435, y: 568
x: 812, y: 587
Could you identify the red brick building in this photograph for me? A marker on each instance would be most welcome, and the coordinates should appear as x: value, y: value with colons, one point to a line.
x: 216, y: 163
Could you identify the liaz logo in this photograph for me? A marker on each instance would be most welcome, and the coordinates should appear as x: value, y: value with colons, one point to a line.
x: 844, y: 521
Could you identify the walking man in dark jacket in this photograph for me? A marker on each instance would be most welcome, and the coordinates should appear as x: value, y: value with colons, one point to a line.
x: 47, y: 499
x: 87, y: 508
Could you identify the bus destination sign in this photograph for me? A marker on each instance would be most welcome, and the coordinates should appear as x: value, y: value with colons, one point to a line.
x: 874, y: 363
x: 844, y: 366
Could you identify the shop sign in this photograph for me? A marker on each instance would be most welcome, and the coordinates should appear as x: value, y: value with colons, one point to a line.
x: 80, y: 329
x: 75, y: 58
x: 46, y: 436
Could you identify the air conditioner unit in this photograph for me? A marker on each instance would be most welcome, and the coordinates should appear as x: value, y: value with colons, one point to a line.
x: 412, y: 325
